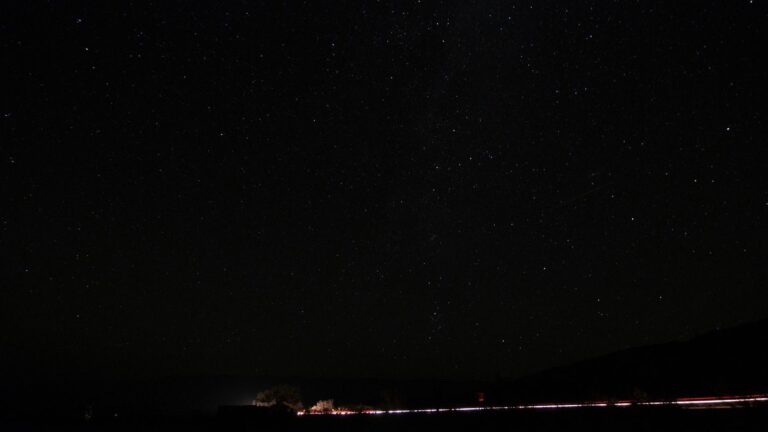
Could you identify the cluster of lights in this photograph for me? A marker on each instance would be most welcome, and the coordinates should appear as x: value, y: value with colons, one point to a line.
x: 694, y: 402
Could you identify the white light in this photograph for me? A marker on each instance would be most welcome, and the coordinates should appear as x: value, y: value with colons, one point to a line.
x: 704, y: 402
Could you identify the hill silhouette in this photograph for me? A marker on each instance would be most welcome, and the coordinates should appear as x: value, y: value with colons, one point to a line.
x: 728, y: 361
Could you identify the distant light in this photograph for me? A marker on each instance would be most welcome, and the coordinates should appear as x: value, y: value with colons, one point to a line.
x: 705, y: 402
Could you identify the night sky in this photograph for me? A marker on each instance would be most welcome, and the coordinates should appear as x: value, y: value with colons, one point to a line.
x: 412, y: 189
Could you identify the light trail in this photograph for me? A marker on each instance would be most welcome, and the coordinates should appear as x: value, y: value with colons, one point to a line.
x: 702, y: 402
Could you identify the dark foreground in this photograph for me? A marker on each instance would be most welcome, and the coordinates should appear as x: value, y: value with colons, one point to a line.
x: 625, y: 419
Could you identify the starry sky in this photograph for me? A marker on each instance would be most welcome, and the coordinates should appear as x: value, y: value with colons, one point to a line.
x: 412, y: 189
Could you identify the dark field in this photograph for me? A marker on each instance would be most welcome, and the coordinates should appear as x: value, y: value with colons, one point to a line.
x: 631, y: 419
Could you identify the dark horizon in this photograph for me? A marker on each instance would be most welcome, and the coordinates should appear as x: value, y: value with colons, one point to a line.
x: 722, y: 369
